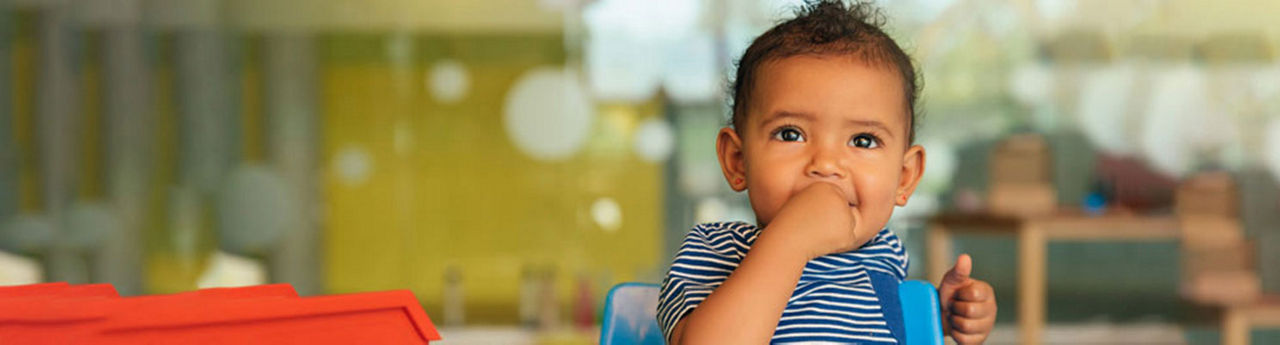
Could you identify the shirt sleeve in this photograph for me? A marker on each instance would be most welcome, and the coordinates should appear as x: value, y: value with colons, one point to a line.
x: 709, y: 253
x: 884, y: 253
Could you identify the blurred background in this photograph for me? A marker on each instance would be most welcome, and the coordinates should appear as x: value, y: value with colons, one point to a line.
x: 511, y: 160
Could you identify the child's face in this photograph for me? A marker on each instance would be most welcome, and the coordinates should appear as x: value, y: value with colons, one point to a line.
x: 824, y: 120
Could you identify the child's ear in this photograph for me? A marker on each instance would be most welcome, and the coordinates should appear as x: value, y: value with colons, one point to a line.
x: 732, y: 162
x: 912, y: 170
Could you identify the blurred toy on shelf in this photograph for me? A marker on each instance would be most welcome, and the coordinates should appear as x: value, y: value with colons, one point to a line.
x: 1218, y: 262
x: 1020, y: 181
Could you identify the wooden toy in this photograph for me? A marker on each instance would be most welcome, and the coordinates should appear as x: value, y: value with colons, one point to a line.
x: 1218, y: 267
x: 1020, y: 181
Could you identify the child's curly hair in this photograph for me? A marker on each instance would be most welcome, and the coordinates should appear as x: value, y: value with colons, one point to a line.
x: 827, y: 27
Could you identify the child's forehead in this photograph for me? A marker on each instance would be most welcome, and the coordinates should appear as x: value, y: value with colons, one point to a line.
x: 829, y: 87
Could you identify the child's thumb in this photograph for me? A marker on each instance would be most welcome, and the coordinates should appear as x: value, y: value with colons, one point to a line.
x: 959, y: 275
x: 955, y: 279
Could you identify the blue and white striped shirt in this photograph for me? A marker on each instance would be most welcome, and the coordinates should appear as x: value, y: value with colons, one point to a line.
x: 833, y: 302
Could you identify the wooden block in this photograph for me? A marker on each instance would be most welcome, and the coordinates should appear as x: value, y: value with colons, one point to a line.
x: 1234, y: 258
x: 1022, y: 199
x: 1237, y: 287
x: 1210, y: 232
x: 1192, y: 203
x: 1020, y: 169
x: 1021, y: 159
x: 1209, y: 194
x: 1027, y: 142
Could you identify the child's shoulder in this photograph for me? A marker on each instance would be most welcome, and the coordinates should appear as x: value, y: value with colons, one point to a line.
x: 730, y: 239
x: 886, y: 236
x: 732, y: 225
x: 738, y: 229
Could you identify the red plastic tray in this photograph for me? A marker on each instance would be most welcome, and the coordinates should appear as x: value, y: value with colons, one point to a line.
x: 266, y: 314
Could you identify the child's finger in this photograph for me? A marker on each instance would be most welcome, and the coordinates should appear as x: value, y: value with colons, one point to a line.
x: 978, y: 291
x: 969, y: 325
x: 973, y: 310
x: 965, y: 338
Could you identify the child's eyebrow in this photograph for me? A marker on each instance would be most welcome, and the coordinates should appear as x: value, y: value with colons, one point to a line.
x: 872, y: 123
x: 785, y: 114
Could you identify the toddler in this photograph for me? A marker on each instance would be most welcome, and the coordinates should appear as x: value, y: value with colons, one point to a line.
x: 822, y: 142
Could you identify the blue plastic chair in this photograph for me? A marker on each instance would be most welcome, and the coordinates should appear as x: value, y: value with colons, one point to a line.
x: 630, y: 314
x: 921, y: 313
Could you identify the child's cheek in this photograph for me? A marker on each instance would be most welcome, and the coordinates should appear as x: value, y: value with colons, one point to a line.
x: 763, y: 206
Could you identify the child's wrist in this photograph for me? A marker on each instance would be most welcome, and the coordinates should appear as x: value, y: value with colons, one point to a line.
x: 788, y: 244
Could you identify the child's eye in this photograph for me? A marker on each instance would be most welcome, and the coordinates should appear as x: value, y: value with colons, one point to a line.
x: 865, y: 141
x: 788, y: 134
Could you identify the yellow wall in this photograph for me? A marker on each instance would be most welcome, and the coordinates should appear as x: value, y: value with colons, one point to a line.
x: 172, y: 264
x: 90, y: 163
x: 458, y: 193
x: 252, y: 118
x: 24, y: 84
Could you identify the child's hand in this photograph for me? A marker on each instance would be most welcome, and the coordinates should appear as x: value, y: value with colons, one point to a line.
x: 819, y: 219
x: 968, y: 305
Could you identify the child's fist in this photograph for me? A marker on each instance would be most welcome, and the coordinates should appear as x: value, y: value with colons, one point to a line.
x: 820, y: 218
x: 968, y: 305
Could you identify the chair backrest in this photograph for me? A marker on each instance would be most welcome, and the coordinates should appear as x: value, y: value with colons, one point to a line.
x: 921, y: 313
x: 631, y: 309
x: 631, y: 316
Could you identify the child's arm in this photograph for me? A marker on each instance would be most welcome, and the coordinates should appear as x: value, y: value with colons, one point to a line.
x: 745, y: 309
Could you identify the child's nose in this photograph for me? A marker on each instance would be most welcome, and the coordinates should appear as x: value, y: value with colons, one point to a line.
x: 825, y: 166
